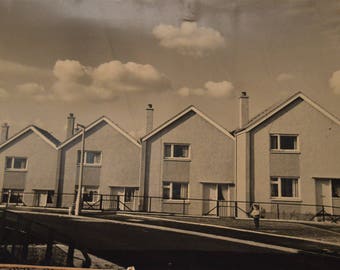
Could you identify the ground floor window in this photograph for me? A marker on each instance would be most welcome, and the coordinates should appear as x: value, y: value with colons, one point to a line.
x: 44, y: 197
x: 336, y: 188
x: 12, y: 196
x: 222, y: 192
x: 90, y: 194
x: 283, y: 187
x: 129, y: 194
x: 175, y: 190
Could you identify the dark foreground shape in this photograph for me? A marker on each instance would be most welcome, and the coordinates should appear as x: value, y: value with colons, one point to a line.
x: 199, y: 260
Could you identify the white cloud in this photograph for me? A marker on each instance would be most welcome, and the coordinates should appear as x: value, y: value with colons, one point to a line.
x: 334, y: 82
x: 284, y: 77
x: 69, y: 70
x: 189, y: 38
x: 33, y: 90
x: 219, y: 89
x: 105, y: 82
x: 211, y: 89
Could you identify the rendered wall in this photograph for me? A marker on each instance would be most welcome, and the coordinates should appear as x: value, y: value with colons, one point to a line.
x: 120, y: 161
x: 41, y: 165
x: 318, y: 141
x: 212, y: 160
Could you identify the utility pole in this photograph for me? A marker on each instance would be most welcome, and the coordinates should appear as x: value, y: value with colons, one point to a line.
x: 81, y: 169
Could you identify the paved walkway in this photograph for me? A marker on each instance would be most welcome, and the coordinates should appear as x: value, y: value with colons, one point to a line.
x: 327, y: 232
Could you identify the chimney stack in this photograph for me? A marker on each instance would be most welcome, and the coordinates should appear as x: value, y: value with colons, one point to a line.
x: 244, y: 109
x: 4, y: 132
x: 149, y: 118
x: 70, y: 125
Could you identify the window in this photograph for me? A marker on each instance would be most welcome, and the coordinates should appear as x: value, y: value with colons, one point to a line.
x: 16, y: 163
x: 90, y: 195
x: 284, y: 142
x: 129, y: 194
x: 175, y: 191
x: 284, y: 187
x: 177, y: 151
x: 90, y: 157
x: 336, y: 188
x: 12, y: 196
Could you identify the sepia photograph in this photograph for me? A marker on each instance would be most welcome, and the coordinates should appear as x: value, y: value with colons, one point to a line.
x: 169, y: 134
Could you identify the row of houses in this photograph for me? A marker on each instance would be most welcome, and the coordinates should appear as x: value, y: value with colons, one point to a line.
x: 289, y: 153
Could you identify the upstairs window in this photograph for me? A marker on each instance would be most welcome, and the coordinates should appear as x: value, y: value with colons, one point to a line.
x: 284, y: 142
x: 175, y: 191
x: 16, y: 163
x: 90, y: 157
x: 176, y: 151
x: 282, y: 187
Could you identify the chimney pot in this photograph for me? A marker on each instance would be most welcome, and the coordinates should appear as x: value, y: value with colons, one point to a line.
x: 4, y: 132
x: 244, y: 109
x: 149, y: 118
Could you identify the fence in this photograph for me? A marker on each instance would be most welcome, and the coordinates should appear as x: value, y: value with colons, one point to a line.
x: 189, y: 206
x: 19, y: 232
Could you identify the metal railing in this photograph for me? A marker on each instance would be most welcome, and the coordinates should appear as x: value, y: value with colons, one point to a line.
x: 185, y: 206
x: 18, y: 232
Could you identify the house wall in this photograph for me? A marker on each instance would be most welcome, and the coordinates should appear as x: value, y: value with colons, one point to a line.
x: 119, y: 166
x: 41, y: 166
x: 211, y: 160
x: 318, y: 140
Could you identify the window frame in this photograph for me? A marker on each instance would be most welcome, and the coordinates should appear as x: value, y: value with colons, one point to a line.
x: 9, y: 193
x: 85, y: 158
x: 334, y: 184
x: 12, y: 163
x: 279, y: 188
x: 172, y: 157
x: 279, y: 149
x: 170, y: 187
x: 131, y: 198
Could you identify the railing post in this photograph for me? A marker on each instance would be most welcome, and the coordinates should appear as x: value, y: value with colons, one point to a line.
x: 323, y: 213
x: 183, y: 207
x: 49, y: 246
x: 70, y: 253
x: 218, y: 208
x: 236, y: 209
x: 278, y: 211
x: 118, y: 202
x: 101, y: 202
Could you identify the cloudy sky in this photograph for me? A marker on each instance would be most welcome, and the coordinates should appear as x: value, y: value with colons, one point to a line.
x: 113, y: 57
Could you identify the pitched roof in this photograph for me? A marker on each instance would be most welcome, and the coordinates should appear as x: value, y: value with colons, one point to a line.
x: 272, y: 110
x: 97, y: 122
x: 181, y: 114
x: 45, y: 135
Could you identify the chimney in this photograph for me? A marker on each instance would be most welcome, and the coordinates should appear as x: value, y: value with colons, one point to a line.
x: 70, y: 125
x: 244, y: 109
x: 149, y: 118
x: 4, y: 132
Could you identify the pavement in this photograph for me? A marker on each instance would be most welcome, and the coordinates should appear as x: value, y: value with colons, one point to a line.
x: 173, y: 242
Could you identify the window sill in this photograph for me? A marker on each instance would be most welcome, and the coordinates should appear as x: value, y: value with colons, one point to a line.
x: 90, y: 165
x: 179, y: 201
x: 286, y: 199
x: 285, y: 152
x: 16, y: 170
x: 177, y: 159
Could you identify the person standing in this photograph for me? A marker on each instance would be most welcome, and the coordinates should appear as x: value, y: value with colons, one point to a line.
x: 255, y: 214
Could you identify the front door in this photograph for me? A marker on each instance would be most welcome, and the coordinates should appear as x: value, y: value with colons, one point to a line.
x: 117, y: 196
x: 209, y: 199
x: 42, y: 198
x: 324, y: 195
